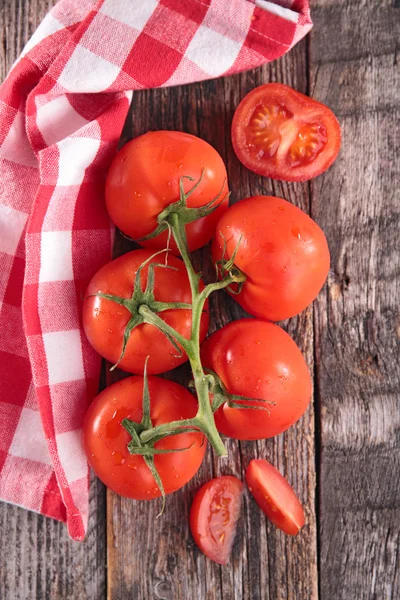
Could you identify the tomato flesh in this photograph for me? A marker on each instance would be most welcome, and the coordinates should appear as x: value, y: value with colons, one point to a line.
x: 257, y: 359
x: 106, y: 441
x: 281, y: 250
x: 282, y: 134
x: 275, y: 496
x: 213, y: 517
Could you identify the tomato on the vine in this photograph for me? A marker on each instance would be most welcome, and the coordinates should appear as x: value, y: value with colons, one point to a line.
x: 144, y: 179
x: 213, y: 516
x: 105, y: 320
x: 275, y: 496
x: 106, y: 441
x: 281, y: 250
x: 280, y: 133
x: 257, y: 359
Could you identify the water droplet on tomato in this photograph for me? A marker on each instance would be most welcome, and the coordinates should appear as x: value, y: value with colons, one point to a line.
x: 118, y: 458
x: 296, y: 232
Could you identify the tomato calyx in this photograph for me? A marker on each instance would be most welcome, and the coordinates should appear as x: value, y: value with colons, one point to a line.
x: 221, y: 395
x: 147, y: 450
x: 143, y: 303
x: 227, y: 268
x: 186, y: 214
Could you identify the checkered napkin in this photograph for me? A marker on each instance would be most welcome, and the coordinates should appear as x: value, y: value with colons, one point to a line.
x: 62, y: 109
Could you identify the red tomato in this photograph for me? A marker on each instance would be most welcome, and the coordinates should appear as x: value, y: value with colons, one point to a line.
x: 280, y: 133
x: 258, y: 359
x: 104, y: 321
x: 283, y: 253
x: 213, y: 517
x: 275, y: 496
x: 106, y: 441
x: 144, y: 178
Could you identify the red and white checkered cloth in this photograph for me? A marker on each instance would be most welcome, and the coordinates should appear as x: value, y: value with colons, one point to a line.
x: 62, y: 109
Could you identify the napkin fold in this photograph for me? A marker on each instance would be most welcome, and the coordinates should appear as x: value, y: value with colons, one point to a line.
x: 62, y: 109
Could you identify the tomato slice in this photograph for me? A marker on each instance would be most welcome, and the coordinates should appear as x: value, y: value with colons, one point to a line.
x: 275, y: 496
x: 213, y: 517
x: 280, y: 133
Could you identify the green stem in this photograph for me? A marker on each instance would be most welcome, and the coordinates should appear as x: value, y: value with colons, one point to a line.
x: 204, y: 420
x: 179, y: 233
x: 153, y: 319
x: 161, y: 430
x: 205, y: 414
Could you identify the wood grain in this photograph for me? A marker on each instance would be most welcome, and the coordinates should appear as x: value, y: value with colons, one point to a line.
x: 357, y: 317
x: 38, y: 559
x: 18, y: 21
x: 164, y: 562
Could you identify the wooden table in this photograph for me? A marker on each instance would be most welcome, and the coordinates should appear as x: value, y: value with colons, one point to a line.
x: 343, y: 457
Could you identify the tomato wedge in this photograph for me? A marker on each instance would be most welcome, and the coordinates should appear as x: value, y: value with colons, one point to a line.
x: 275, y: 496
x: 213, y: 517
x: 283, y: 134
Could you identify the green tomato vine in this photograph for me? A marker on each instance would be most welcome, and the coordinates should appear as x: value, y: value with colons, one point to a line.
x: 145, y: 309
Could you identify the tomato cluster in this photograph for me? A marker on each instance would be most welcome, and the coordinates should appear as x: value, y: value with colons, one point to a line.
x: 146, y: 311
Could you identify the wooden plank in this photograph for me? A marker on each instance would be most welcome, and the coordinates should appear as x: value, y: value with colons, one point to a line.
x: 18, y: 21
x: 38, y: 559
x: 354, y: 70
x: 149, y: 558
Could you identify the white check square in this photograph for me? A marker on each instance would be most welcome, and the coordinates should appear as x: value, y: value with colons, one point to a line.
x: 213, y: 52
x: 57, y: 120
x: 29, y: 441
x: 135, y: 14
x: 87, y: 72
x: 12, y: 223
x: 64, y: 356
x: 71, y: 454
x: 56, y: 256
x: 16, y: 146
x: 76, y: 154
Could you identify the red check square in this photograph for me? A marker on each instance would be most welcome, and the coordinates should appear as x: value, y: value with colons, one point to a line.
x: 160, y: 64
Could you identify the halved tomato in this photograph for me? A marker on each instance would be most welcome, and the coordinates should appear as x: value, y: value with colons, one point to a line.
x: 283, y: 134
x: 213, y: 516
x: 275, y: 496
